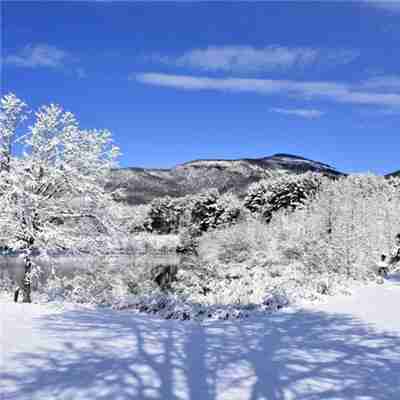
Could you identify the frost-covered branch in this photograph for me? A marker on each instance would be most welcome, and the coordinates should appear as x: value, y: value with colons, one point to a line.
x: 52, y: 193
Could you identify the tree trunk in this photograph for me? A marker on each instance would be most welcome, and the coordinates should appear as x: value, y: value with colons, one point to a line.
x: 26, y: 284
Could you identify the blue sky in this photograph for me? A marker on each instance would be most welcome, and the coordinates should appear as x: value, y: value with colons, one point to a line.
x: 189, y: 80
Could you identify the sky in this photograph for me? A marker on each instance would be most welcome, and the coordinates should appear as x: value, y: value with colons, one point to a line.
x: 178, y: 81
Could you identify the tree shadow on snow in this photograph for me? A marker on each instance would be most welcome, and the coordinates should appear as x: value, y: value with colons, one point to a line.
x: 287, y: 355
x: 394, y: 278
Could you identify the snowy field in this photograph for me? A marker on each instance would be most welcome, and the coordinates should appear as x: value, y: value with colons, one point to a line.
x: 347, y: 348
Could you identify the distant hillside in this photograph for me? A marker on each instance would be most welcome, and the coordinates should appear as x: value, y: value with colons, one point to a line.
x: 141, y: 185
x: 395, y: 174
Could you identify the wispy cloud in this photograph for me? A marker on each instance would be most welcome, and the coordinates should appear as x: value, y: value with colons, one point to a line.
x: 299, y: 112
x: 43, y: 55
x: 383, y: 82
x: 40, y: 55
x: 333, y: 91
x: 392, y: 6
x: 249, y: 58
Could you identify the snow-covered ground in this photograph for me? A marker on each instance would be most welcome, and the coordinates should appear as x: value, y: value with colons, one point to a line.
x: 347, y: 348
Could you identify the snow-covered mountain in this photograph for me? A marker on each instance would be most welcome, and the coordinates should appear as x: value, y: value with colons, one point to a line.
x: 141, y: 185
x: 395, y: 174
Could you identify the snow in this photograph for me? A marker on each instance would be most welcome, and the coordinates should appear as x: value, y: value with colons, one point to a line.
x: 345, y: 348
x: 276, y: 159
x: 299, y: 160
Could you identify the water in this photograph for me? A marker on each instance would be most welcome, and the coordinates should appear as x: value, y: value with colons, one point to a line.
x: 12, y: 265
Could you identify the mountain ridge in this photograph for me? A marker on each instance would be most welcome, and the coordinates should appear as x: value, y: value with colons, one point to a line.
x: 141, y: 185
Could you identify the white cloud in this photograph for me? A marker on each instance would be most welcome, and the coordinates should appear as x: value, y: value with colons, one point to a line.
x: 40, y: 55
x: 391, y: 6
x: 231, y: 58
x: 333, y: 91
x: 383, y: 82
x: 248, y: 58
x: 299, y: 112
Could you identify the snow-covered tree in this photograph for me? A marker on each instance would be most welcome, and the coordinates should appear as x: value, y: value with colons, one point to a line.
x: 283, y: 192
x: 12, y: 114
x: 52, y: 194
x: 347, y: 225
x: 205, y: 210
x: 210, y: 210
x: 164, y: 215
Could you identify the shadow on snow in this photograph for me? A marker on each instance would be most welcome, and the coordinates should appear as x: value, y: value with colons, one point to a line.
x: 293, y: 354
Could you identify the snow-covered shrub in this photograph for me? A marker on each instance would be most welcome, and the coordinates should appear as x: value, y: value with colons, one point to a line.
x: 90, y: 282
x: 276, y: 299
x: 7, y: 283
x: 229, y: 210
x: 235, y: 243
x: 99, y: 281
x: 131, y: 218
x: 145, y: 242
x: 283, y: 192
x: 138, y: 218
x: 238, y: 265
x: 164, y: 215
x: 171, y: 306
x: 189, y: 240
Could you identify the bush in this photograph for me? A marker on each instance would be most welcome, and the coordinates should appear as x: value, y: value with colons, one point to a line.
x: 230, y: 211
x: 7, y: 283
x: 146, y: 242
x: 235, y: 243
x: 138, y: 218
x: 189, y: 241
x: 164, y: 215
